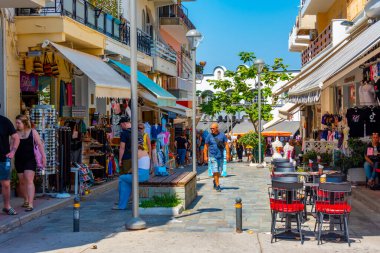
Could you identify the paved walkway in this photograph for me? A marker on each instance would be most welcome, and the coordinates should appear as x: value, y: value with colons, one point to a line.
x: 208, y: 226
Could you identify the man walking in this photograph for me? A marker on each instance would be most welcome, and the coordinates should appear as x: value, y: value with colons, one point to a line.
x: 215, y: 144
x: 181, y: 145
x: 125, y: 151
x: 7, y: 152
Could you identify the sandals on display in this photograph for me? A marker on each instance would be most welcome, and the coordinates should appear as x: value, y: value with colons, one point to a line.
x: 10, y: 211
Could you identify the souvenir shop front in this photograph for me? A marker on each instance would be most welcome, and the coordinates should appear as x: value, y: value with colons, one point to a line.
x: 60, y: 88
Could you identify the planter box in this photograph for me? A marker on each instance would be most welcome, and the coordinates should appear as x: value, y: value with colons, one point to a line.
x: 356, y: 175
x: 162, y: 211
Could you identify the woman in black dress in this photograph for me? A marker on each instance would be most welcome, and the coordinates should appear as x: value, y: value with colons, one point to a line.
x: 25, y: 161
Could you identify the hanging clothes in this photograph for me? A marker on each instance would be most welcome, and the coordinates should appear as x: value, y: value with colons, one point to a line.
x: 69, y: 94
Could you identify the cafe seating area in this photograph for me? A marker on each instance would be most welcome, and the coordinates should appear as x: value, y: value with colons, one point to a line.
x: 295, y: 195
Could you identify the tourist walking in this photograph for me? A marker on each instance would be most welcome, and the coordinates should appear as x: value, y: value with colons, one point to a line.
x: 181, y: 145
x: 25, y: 159
x: 7, y: 152
x: 239, y: 149
x: 125, y: 150
x: 215, y: 144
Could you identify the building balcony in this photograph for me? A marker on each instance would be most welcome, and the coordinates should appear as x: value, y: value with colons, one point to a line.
x: 333, y: 34
x: 180, y: 88
x: 23, y: 3
x: 174, y: 20
x: 299, y: 37
x: 165, y: 58
x: 313, y: 7
x: 92, y: 17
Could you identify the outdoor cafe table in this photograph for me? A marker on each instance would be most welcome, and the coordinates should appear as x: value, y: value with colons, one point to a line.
x: 313, y: 184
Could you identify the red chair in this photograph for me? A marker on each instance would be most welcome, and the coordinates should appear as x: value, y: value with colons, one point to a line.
x: 286, y: 198
x: 333, y: 200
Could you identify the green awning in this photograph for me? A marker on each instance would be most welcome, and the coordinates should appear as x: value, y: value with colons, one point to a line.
x: 164, y: 98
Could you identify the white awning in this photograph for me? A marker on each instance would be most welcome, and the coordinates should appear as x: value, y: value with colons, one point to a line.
x: 288, y: 110
x: 273, y: 122
x: 306, y: 89
x: 108, y: 83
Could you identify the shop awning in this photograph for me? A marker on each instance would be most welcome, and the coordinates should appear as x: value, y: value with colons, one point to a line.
x: 308, y: 88
x: 164, y: 98
x: 108, y: 83
x: 286, y: 126
x: 178, y: 109
x: 273, y: 122
x: 287, y: 111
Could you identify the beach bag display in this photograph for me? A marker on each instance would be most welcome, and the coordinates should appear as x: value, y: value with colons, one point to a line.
x: 54, y: 67
x: 47, y: 66
x: 29, y: 65
x: 37, y: 67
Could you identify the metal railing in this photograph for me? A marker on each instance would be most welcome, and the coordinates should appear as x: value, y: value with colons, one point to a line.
x: 176, y: 11
x: 91, y: 16
x: 164, y: 51
x: 323, y: 40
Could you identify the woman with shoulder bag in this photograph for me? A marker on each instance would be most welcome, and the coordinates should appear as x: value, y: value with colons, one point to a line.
x: 28, y: 157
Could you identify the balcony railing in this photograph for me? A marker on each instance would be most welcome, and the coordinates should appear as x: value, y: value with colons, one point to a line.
x: 164, y: 52
x: 176, y: 11
x: 91, y: 16
x: 323, y: 40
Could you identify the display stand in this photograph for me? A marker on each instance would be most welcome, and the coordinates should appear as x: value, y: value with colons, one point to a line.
x: 43, y: 117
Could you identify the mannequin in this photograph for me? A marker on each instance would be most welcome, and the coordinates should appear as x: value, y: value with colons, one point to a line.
x: 367, y: 94
x: 288, y: 151
x: 276, y: 146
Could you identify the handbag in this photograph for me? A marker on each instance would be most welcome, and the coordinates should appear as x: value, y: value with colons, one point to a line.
x: 47, y: 66
x: 37, y: 152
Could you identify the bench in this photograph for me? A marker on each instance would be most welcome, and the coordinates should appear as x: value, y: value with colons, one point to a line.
x: 182, y: 183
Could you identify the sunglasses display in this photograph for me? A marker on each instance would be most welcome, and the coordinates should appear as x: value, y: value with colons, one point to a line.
x: 44, y: 120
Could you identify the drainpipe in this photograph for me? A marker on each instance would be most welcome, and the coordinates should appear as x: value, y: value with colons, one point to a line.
x: 3, y: 70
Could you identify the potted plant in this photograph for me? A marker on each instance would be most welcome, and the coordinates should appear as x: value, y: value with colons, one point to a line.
x: 352, y: 165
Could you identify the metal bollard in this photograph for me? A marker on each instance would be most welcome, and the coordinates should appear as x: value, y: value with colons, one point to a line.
x: 239, y: 214
x: 76, y: 207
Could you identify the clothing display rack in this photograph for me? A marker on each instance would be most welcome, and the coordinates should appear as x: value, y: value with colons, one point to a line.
x: 64, y: 140
x: 44, y: 119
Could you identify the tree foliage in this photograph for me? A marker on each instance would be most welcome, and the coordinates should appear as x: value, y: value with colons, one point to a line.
x: 250, y: 139
x: 240, y: 87
x: 108, y: 6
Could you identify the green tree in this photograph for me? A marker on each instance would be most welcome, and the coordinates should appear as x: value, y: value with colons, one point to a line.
x: 239, y: 88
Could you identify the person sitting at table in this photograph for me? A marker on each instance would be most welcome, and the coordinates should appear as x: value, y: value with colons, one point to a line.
x: 371, y: 159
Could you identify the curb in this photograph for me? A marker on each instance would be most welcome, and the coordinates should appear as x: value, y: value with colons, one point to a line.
x: 161, y: 211
x: 19, y: 221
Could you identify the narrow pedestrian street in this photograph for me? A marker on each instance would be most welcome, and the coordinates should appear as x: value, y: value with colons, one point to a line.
x: 208, y: 226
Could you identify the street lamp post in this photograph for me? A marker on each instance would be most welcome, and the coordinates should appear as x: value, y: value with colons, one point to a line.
x: 259, y: 63
x: 194, y: 37
x: 135, y: 223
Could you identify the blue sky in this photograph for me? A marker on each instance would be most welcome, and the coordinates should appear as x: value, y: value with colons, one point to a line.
x: 231, y: 26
